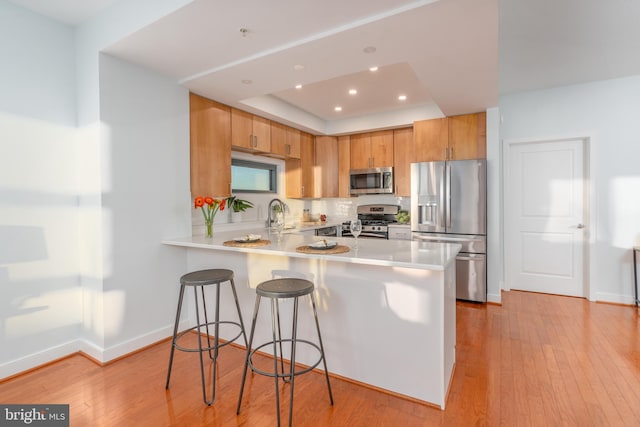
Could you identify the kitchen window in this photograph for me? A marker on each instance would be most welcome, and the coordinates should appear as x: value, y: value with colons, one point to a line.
x: 253, y: 177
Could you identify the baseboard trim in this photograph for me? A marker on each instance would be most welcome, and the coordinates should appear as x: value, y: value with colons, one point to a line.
x: 36, y: 360
x: 614, y: 298
x: 88, y: 349
x: 494, y: 299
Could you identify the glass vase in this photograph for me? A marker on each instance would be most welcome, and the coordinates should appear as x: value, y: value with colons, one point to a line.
x: 209, y: 225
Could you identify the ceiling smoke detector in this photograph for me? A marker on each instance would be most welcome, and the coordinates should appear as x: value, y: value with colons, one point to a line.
x: 369, y: 49
x: 244, y: 32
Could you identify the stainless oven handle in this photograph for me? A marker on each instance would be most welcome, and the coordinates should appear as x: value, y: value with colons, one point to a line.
x: 471, y: 257
x: 379, y: 236
x: 443, y: 239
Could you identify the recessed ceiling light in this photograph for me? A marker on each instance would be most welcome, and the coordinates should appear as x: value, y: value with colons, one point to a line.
x: 352, y: 91
x: 247, y: 81
x: 373, y: 69
x: 369, y: 49
x: 402, y: 97
x: 298, y: 67
x: 338, y: 108
x: 298, y: 86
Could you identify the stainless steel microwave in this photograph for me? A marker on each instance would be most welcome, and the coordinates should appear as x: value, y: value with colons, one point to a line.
x: 371, y: 181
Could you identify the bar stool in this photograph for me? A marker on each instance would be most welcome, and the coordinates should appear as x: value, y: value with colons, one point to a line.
x: 200, y: 279
x: 276, y: 289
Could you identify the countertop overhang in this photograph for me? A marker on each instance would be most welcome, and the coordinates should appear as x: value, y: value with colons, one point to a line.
x: 395, y: 253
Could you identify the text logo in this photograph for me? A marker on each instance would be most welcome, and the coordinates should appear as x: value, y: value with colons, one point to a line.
x: 34, y: 415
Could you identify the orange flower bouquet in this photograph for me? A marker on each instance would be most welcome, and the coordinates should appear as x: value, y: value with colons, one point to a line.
x: 210, y: 210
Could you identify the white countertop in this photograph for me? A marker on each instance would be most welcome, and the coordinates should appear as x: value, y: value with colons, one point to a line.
x: 398, y: 253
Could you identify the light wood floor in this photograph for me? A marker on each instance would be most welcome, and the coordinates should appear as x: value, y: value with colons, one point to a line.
x: 537, y: 360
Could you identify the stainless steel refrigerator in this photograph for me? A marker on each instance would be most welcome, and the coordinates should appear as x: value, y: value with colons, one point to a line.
x: 449, y: 204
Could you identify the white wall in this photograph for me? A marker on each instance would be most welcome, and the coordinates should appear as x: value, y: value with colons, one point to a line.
x: 145, y: 118
x: 608, y: 113
x: 495, y: 276
x: 39, y: 277
x: 73, y: 190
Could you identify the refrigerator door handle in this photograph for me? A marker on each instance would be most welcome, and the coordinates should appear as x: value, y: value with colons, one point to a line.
x: 448, y: 194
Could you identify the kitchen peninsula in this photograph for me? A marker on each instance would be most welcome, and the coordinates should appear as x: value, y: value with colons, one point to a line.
x: 386, y: 308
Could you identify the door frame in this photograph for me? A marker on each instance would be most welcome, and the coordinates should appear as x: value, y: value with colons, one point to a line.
x: 589, y: 204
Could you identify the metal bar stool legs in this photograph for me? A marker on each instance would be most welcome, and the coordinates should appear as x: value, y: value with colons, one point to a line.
x: 200, y: 279
x: 276, y: 289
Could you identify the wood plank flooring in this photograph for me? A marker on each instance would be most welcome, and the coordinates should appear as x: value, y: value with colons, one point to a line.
x: 537, y: 360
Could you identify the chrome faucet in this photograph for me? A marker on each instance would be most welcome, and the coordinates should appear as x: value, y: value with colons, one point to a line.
x: 270, y: 220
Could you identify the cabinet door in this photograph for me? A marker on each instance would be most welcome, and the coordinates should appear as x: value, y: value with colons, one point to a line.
x: 307, y: 162
x: 326, y: 166
x: 361, y: 151
x: 293, y: 142
x: 299, y: 172
x: 278, y: 139
x: 430, y: 140
x: 241, y: 130
x: 382, y: 149
x: 402, y: 159
x: 344, y: 164
x: 468, y: 136
x: 262, y: 134
x: 250, y: 133
x: 210, y: 131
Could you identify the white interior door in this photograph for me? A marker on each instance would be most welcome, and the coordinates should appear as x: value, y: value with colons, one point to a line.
x: 545, y: 217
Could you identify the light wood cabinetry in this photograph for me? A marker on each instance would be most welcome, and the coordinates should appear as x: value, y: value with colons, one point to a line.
x: 451, y: 138
x: 210, y: 132
x: 299, y: 173
x: 372, y: 150
x: 285, y: 141
x: 326, y: 166
x: 430, y: 140
x: 468, y: 136
x: 250, y: 133
x: 344, y: 164
x: 403, y: 156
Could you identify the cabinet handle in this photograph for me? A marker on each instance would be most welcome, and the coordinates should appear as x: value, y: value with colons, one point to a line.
x: 303, y: 190
x: 255, y: 141
x: 451, y: 153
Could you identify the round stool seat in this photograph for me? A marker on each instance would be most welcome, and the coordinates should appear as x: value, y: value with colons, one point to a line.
x: 206, y: 277
x: 284, y: 288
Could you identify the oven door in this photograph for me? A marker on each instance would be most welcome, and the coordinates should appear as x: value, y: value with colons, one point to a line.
x: 365, y: 234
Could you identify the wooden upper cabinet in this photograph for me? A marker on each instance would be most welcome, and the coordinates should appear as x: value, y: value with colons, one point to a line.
x: 403, y: 156
x: 299, y: 173
x: 468, y: 136
x: 451, y: 138
x: 250, y: 133
x: 382, y: 149
x: 360, y: 151
x: 372, y: 150
x: 210, y: 147
x: 326, y: 166
x: 344, y: 164
x: 285, y: 141
x: 430, y: 140
x: 293, y: 137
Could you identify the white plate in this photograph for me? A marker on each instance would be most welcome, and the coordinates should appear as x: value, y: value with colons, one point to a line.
x: 324, y: 244
x: 249, y: 238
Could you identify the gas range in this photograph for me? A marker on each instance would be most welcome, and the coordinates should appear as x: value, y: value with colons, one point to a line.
x: 375, y: 219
